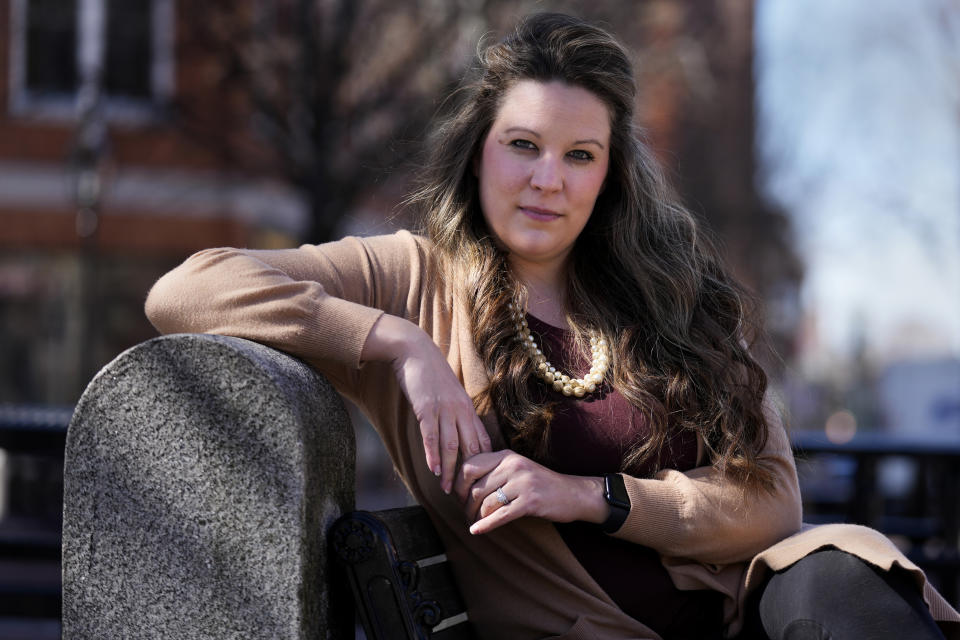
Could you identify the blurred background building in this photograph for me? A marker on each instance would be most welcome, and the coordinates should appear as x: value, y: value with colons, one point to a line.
x: 820, y: 141
x: 860, y: 142
x: 134, y: 132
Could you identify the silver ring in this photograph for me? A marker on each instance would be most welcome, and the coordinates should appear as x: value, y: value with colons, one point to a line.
x: 502, y: 497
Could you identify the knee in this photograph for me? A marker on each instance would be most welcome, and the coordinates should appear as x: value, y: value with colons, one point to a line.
x: 833, y: 594
x: 806, y: 630
x: 832, y: 571
x: 829, y: 574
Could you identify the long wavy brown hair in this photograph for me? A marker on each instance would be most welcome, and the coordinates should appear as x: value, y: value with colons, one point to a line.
x: 642, y: 273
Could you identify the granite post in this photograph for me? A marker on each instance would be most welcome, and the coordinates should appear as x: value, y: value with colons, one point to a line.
x: 201, y: 475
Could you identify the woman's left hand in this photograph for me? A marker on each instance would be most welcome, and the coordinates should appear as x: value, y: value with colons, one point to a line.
x: 530, y: 489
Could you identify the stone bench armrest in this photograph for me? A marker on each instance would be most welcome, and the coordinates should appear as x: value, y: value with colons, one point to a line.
x: 202, y: 474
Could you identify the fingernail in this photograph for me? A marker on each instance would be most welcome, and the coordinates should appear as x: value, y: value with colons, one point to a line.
x: 436, y: 471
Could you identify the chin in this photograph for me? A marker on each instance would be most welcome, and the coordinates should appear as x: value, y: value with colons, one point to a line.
x: 536, y: 253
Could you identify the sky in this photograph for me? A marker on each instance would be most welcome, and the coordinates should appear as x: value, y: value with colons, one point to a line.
x: 858, y: 105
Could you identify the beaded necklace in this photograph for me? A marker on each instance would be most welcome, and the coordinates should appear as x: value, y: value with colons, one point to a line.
x: 565, y: 384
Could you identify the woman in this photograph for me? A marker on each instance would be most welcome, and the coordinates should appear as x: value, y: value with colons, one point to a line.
x: 625, y: 498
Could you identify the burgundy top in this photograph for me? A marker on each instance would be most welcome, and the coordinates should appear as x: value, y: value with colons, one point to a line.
x: 589, y: 436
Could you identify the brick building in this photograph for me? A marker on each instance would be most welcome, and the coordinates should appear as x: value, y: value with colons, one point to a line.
x: 119, y: 145
x: 103, y: 186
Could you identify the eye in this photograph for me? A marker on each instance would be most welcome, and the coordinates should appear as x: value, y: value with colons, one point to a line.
x: 581, y: 155
x: 526, y: 145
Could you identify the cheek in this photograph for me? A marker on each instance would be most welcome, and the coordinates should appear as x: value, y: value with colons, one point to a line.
x: 599, y: 180
x: 588, y: 188
x: 500, y: 169
x: 502, y: 172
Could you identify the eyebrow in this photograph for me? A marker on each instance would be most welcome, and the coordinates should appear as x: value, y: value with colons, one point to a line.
x: 575, y: 142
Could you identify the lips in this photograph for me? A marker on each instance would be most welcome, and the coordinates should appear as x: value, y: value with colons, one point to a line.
x: 540, y: 214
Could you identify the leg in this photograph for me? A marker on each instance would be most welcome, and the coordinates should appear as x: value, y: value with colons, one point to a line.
x: 832, y: 595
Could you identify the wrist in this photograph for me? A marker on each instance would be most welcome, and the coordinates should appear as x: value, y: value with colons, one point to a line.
x: 594, y: 508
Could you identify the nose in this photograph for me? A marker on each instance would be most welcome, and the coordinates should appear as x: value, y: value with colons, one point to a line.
x: 546, y: 176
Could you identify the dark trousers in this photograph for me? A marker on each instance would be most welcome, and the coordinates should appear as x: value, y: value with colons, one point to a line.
x: 832, y: 595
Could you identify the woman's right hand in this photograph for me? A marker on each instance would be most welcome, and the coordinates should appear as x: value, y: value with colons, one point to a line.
x: 448, y: 422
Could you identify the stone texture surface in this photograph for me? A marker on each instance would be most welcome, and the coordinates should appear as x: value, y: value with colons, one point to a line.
x: 202, y: 473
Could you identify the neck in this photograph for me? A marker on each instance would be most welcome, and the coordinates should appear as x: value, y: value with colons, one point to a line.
x: 546, y: 289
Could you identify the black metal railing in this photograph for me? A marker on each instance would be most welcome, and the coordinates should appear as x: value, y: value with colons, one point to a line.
x: 33, y: 440
x: 904, y: 485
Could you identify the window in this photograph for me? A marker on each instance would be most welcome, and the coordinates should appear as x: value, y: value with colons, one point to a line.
x: 51, y: 45
x: 128, y: 54
x: 60, y: 48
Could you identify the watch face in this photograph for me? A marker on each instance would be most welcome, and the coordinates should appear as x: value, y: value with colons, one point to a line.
x: 616, y: 491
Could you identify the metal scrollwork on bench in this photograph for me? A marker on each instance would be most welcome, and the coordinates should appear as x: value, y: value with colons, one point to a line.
x: 409, y: 575
x: 426, y: 613
x: 390, y: 563
x: 354, y: 541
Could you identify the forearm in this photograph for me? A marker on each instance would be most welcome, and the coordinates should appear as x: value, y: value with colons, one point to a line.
x: 707, y: 516
x: 231, y: 292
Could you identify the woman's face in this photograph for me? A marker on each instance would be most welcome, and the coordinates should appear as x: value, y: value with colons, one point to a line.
x: 541, y: 168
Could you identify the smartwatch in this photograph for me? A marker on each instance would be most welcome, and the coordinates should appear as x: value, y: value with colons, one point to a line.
x: 615, y: 493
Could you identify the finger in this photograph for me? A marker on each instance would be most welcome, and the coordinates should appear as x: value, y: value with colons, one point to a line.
x: 473, y: 469
x: 449, y: 448
x: 497, y: 497
x: 464, y: 480
x: 482, y: 436
x: 430, y: 433
x: 469, y: 438
x: 499, y: 517
x: 482, y: 498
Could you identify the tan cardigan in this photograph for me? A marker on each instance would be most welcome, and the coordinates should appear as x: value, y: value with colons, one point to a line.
x: 521, y: 581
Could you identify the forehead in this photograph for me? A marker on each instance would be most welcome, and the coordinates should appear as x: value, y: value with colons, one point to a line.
x: 554, y: 107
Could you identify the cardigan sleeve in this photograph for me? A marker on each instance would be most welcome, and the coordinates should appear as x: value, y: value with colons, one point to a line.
x: 706, y: 516
x: 318, y: 303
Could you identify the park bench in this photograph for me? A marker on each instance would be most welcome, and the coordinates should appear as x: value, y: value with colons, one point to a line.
x: 209, y: 493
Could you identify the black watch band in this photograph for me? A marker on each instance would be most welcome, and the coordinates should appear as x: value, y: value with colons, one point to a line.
x: 615, y: 493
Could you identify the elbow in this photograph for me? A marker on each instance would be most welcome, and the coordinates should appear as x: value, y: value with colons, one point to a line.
x: 779, y: 519
x: 789, y: 523
x: 791, y: 520
x: 174, y: 302
x: 758, y: 525
x: 161, y: 307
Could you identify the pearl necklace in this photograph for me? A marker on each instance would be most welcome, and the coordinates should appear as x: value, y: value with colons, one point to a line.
x: 577, y: 387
